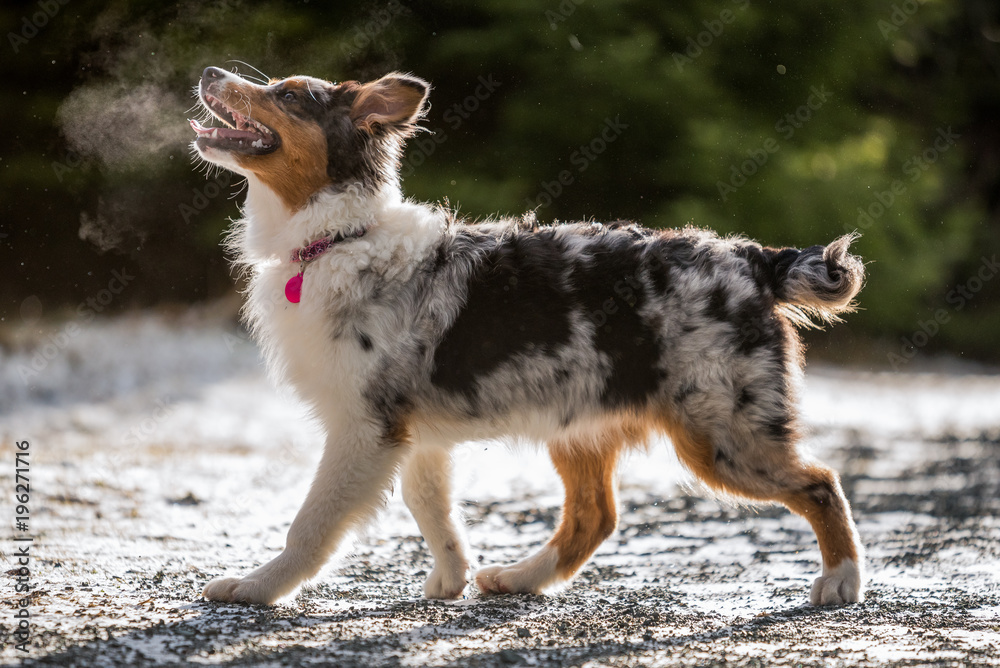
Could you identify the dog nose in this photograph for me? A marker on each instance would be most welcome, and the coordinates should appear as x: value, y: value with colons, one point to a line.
x: 213, y: 73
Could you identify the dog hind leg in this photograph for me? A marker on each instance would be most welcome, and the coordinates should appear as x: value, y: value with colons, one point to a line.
x: 765, y: 468
x: 589, y: 516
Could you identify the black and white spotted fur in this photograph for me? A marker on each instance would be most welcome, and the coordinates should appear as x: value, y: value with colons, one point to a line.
x: 429, y: 331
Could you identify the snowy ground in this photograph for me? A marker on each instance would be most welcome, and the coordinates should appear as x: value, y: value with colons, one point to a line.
x: 161, y: 458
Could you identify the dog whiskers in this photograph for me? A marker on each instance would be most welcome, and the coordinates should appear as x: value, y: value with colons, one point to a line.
x: 266, y: 79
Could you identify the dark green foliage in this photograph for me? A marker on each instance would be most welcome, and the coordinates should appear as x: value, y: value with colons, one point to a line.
x: 788, y: 122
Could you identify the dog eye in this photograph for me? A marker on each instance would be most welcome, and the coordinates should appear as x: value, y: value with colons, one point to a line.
x: 288, y: 97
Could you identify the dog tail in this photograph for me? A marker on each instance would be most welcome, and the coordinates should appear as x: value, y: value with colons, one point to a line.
x: 818, y: 282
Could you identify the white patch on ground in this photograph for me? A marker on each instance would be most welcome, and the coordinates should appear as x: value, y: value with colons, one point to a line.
x: 161, y: 458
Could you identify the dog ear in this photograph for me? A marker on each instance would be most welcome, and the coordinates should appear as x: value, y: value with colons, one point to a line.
x: 394, y: 103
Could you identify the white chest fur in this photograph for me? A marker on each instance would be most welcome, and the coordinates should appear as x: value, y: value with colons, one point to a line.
x: 310, y: 344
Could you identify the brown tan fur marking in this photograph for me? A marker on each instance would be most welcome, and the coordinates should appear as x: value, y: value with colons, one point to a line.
x: 823, y: 504
x: 386, y: 101
x: 809, y: 490
x: 297, y: 170
x: 589, y: 514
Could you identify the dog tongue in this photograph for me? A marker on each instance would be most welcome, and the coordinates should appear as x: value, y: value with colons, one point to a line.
x: 199, y: 128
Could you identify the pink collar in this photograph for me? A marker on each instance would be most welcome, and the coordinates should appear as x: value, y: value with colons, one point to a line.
x: 306, y: 254
x: 320, y: 246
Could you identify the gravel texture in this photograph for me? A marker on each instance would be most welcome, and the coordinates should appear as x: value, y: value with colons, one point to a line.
x: 177, y: 470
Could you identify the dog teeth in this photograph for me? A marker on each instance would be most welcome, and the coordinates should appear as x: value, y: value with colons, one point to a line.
x: 215, y: 133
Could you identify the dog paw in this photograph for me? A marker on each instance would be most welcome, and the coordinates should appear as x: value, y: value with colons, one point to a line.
x: 530, y: 576
x: 502, y: 580
x: 445, y: 584
x: 511, y: 580
x: 838, y: 586
x: 238, y: 590
x: 221, y: 590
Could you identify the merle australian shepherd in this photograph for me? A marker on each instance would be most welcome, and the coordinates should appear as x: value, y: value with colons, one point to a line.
x: 407, y: 332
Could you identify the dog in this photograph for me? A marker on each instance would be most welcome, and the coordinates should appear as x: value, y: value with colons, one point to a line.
x: 407, y: 331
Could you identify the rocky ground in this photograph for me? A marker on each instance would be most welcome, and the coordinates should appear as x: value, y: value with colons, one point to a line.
x: 160, y: 458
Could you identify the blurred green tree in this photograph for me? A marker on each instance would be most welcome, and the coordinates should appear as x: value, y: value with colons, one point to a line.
x: 788, y: 122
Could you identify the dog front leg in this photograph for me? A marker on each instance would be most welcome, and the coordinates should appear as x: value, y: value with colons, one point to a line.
x: 351, y: 481
x: 427, y: 492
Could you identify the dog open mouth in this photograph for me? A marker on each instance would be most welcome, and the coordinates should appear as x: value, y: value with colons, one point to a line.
x: 243, y: 135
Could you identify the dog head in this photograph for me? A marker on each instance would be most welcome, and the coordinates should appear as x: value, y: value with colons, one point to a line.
x: 301, y: 135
